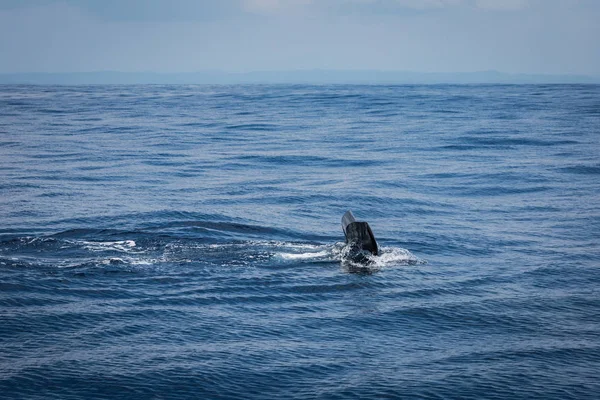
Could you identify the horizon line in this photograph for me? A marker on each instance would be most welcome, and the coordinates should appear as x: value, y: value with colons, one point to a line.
x: 315, y: 75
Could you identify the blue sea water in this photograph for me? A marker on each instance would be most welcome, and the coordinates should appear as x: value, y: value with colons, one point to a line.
x: 174, y: 242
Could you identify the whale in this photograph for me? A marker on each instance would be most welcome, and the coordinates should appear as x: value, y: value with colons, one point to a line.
x: 359, y: 237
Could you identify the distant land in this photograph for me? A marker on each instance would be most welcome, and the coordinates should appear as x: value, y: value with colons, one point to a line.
x: 293, y: 77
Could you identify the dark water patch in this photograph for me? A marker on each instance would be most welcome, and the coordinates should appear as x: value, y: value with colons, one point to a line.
x: 382, y: 113
x: 220, y: 227
x: 20, y: 185
x: 582, y: 169
x: 88, y: 119
x: 420, y: 320
x: 252, y: 127
x: 17, y: 103
x: 56, y: 194
x: 499, y: 190
x: 306, y: 160
x: 449, y: 175
x: 332, y: 97
x: 165, y: 162
x: 8, y: 115
x: 459, y: 147
x: 200, y: 124
x: 60, y: 155
x: 576, y: 355
x: 55, y: 111
x: 504, y: 141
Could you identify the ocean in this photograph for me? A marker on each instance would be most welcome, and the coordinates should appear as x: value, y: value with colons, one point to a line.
x: 181, y: 241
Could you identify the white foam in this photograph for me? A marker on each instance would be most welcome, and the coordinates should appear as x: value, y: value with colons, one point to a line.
x: 125, y: 246
x: 394, y: 256
x: 130, y: 261
x: 387, y: 257
x: 260, y: 250
x: 305, y: 256
x: 144, y: 261
x: 280, y: 244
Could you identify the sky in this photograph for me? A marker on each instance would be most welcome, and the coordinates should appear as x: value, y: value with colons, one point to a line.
x: 513, y: 36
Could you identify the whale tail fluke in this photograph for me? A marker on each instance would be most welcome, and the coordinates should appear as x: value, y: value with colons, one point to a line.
x: 358, y: 234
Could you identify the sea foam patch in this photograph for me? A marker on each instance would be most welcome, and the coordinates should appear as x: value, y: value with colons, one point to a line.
x: 125, y: 246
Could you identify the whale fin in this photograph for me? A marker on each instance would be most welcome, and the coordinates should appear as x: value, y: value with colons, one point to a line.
x: 358, y: 234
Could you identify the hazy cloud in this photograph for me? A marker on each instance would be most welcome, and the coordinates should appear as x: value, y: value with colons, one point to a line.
x: 502, y: 5
x: 534, y: 36
x: 185, y: 10
x: 275, y: 6
x: 139, y: 10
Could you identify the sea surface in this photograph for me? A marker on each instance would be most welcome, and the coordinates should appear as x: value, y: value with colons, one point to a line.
x: 176, y: 242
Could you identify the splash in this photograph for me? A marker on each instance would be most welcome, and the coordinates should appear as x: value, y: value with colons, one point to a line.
x: 124, y: 246
x: 387, y: 257
x: 339, y: 252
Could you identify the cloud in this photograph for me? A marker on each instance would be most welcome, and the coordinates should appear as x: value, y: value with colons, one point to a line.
x: 502, y: 4
x: 317, y: 7
x: 537, y: 36
x: 428, y: 4
x: 386, y: 6
x: 274, y: 6
x: 262, y: 5
x: 138, y: 10
x: 210, y: 10
x: 440, y: 4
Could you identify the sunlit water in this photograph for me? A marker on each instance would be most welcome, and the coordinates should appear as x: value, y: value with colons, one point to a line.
x: 185, y: 242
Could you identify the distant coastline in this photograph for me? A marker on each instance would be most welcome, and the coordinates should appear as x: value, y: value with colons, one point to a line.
x: 291, y: 77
